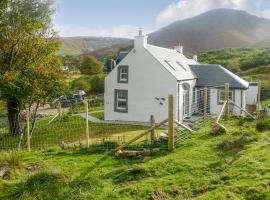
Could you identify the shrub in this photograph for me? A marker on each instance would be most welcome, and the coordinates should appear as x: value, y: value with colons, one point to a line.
x: 263, y: 124
x: 97, y: 83
x: 82, y: 83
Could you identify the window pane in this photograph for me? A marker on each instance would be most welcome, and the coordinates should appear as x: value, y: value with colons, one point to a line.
x: 121, y: 103
x: 124, y: 76
x: 221, y: 95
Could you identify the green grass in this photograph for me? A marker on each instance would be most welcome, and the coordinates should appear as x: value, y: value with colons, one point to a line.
x: 99, y: 115
x: 231, y: 166
x: 266, y: 103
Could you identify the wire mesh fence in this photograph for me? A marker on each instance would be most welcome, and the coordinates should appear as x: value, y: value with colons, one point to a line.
x: 82, y: 124
x: 73, y: 126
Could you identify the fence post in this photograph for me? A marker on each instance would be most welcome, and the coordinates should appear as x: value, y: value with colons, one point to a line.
x: 227, y: 98
x: 28, y: 130
x: 258, y: 100
x: 205, y: 103
x: 87, y: 123
x: 60, y: 111
x: 153, y: 133
x: 170, y: 123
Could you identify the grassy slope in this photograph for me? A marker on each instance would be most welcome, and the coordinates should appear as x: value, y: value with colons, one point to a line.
x: 233, y: 166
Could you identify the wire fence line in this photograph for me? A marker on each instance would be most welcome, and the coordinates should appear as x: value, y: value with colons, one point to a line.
x: 71, y: 127
x: 68, y: 125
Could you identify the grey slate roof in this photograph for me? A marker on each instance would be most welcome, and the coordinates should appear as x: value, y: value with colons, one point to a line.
x: 121, y: 56
x: 216, y: 76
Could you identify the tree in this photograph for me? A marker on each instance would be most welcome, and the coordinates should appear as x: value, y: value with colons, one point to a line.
x: 90, y: 65
x: 97, y: 83
x: 30, y: 73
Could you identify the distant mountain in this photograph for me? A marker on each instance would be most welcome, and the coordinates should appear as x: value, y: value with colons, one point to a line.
x: 220, y: 28
x: 84, y: 45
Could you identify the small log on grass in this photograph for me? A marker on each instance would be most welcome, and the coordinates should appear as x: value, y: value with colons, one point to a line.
x: 218, y: 129
x: 126, y: 153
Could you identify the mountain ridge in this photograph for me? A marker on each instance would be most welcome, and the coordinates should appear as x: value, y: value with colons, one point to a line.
x: 215, y: 29
x: 219, y: 28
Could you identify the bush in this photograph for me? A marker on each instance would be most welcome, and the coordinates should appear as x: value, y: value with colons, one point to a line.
x: 82, y: 83
x: 263, y: 125
x: 97, y: 84
x: 90, y: 65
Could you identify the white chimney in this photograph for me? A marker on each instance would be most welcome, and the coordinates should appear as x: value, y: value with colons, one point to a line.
x: 140, y: 41
x: 195, y: 58
x: 179, y: 48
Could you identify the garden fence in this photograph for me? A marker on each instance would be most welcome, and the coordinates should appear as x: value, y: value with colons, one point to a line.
x: 82, y: 125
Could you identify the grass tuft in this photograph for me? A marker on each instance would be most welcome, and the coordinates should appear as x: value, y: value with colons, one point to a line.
x: 263, y: 124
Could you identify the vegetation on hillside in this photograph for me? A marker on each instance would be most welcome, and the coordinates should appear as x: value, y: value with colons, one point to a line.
x: 76, y: 46
x: 231, y: 166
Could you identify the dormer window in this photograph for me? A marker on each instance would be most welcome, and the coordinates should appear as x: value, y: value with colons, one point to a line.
x: 122, y: 74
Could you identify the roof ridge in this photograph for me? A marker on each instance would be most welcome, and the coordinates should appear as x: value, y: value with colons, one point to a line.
x: 233, y: 75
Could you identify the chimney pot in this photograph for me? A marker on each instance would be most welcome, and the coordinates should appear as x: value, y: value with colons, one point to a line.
x: 179, y: 48
x: 195, y: 58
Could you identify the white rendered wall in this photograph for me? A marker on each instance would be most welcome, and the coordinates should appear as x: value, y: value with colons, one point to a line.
x: 215, y: 108
x: 251, y: 95
x: 148, y: 79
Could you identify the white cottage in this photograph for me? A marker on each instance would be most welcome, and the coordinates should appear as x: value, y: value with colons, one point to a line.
x: 139, y: 85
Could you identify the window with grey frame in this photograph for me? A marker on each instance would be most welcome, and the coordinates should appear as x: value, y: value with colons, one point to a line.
x: 122, y: 75
x: 121, y: 101
x: 221, y: 96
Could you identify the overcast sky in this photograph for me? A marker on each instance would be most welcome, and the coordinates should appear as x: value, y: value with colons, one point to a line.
x: 122, y: 18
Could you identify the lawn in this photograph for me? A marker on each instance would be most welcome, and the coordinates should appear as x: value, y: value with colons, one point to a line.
x: 232, y: 166
x: 99, y: 115
x: 266, y: 103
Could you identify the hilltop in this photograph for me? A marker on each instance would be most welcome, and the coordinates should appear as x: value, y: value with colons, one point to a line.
x: 219, y: 28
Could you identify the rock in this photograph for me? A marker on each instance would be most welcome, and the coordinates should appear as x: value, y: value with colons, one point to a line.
x: 155, y: 150
x: 4, y: 172
x: 146, y: 152
x: 126, y: 153
x: 218, y: 129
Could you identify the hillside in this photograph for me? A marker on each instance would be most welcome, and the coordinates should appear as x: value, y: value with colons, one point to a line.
x: 220, y: 28
x: 231, y: 166
x: 82, y: 45
x: 251, y: 64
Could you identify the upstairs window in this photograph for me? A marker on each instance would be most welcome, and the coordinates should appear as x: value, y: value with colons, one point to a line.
x: 122, y: 75
x: 121, y: 101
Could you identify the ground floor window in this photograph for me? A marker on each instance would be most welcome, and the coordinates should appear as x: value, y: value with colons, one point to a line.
x: 121, y: 101
x: 221, y: 96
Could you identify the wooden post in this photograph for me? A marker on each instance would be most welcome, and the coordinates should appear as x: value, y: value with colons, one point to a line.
x: 60, y: 111
x: 205, y: 107
x: 153, y: 133
x: 170, y: 124
x: 258, y: 100
x: 87, y: 124
x: 227, y: 99
x: 28, y: 130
